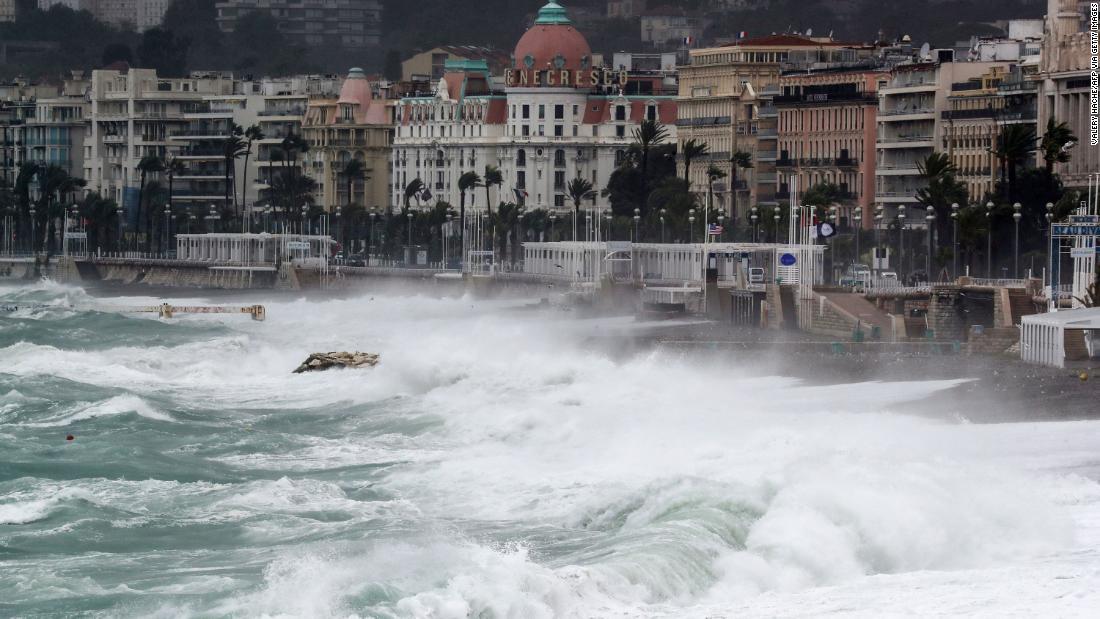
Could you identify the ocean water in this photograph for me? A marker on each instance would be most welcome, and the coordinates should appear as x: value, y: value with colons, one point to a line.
x: 495, y: 465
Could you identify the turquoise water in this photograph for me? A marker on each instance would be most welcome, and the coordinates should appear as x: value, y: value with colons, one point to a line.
x: 494, y: 465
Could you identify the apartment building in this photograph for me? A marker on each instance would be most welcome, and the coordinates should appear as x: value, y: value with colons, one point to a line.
x: 141, y: 14
x: 429, y: 65
x: 135, y: 114
x: 827, y: 128
x: 726, y: 101
x: 1064, y: 83
x: 978, y: 109
x: 339, y: 23
x: 8, y: 10
x: 55, y: 134
x: 17, y: 107
x: 911, y: 124
x: 355, y: 125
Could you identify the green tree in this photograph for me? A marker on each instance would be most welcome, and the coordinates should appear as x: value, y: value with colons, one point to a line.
x: 173, y: 166
x: 466, y: 182
x: 1015, y: 147
x: 162, y: 50
x: 646, y: 137
x: 941, y: 189
x: 492, y: 177
x: 253, y: 134
x: 54, y: 184
x: 714, y: 174
x: 352, y: 171
x: 579, y: 190
x: 1056, y: 142
x: 740, y: 160
x: 693, y: 149
x: 413, y: 190
x: 102, y: 217
x: 149, y: 164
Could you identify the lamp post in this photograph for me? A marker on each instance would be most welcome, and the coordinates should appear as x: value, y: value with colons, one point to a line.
x: 989, y: 240
x: 34, y: 236
x: 878, y: 225
x: 339, y: 230
x: 753, y: 217
x: 1016, y: 217
x: 691, y: 225
x: 663, y: 212
x: 955, y: 240
x: 857, y: 218
x: 305, y: 220
x: 213, y: 218
x: 409, y: 216
x: 607, y: 218
x: 637, y: 220
x: 722, y: 225
x: 776, y: 217
x: 167, y: 227
x: 929, y: 219
x: 370, y: 240
x: 1050, y: 244
x: 553, y: 218
x: 901, y: 239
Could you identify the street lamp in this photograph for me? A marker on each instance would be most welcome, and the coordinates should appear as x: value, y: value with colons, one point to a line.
x: 901, y: 239
x: 691, y: 225
x: 989, y: 240
x: 167, y: 227
x: 305, y: 220
x: 929, y: 219
x: 370, y: 241
x: 607, y: 218
x: 878, y: 225
x: 857, y: 218
x: 663, y: 225
x: 1016, y: 217
x: 553, y: 219
x: 1050, y: 247
x: 339, y: 237
x: 410, y: 218
x: 33, y: 234
x: 753, y: 217
x: 637, y: 220
x: 955, y: 239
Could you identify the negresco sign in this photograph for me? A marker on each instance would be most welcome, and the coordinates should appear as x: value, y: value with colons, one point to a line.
x: 565, y: 77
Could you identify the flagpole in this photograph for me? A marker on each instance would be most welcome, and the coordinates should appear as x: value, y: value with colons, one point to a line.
x: 706, y: 239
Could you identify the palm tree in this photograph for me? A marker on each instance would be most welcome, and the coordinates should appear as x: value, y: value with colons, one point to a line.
x: 292, y: 145
x: 1015, y: 145
x: 102, y: 217
x: 740, y: 160
x: 27, y: 172
x: 692, y: 150
x: 646, y: 136
x: 466, y: 182
x: 579, y: 189
x: 233, y: 148
x: 149, y: 164
x: 54, y: 182
x: 252, y: 134
x: 714, y: 173
x: 413, y: 190
x: 492, y: 177
x: 1057, y: 140
x: 173, y: 167
x: 353, y: 170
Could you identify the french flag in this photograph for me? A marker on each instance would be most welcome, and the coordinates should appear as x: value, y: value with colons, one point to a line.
x: 743, y: 35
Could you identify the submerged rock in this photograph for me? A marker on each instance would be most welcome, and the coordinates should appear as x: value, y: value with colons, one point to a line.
x: 319, y: 361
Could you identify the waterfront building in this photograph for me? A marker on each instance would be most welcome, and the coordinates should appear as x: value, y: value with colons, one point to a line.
x: 912, y: 125
x: 55, y: 134
x: 335, y: 23
x: 977, y: 111
x: 356, y: 125
x: 1064, y: 85
x: 18, y: 107
x: 556, y: 115
x: 141, y: 14
x: 827, y: 133
x: 8, y: 10
x: 136, y: 113
x: 429, y: 65
x: 726, y: 101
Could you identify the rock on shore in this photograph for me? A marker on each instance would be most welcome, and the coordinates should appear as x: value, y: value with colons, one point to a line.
x: 319, y: 361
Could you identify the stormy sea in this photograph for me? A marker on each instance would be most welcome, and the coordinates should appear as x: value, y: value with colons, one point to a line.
x: 497, y: 464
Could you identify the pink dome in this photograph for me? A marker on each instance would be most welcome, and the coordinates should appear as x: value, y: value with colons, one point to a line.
x: 552, y: 43
x: 356, y: 89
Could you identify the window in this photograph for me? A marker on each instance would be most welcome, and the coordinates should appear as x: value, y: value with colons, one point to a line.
x: 651, y: 112
x: 521, y: 179
x: 559, y: 131
x: 620, y: 157
x: 559, y: 200
x: 559, y: 158
x: 542, y: 129
x: 559, y: 179
x: 542, y: 112
x: 559, y: 112
x: 620, y: 112
x: 526, y: 111
x: 525, y: 130
x: 576, y: 110
x: 620, y: 131
x: 521, y: 158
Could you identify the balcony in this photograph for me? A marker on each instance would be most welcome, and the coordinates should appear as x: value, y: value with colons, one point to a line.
x: 897, y: 169
x: 768, y: 111
x: 295, y: 111
x: 766, y: 179
x: 846, y: 162
x: 786, y: 163
x: 766, y: 134
x: 766, y: 155
x: 919, y: 113
x: 999, y: 115
x: 114, y: 138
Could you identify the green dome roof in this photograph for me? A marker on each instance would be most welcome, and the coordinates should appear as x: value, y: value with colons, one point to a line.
x: 552, y: 13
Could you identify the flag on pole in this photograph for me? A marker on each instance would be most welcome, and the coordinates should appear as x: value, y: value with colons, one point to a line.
x: 714, y: 230
x: 743, y: 35
x: 521, y: 195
